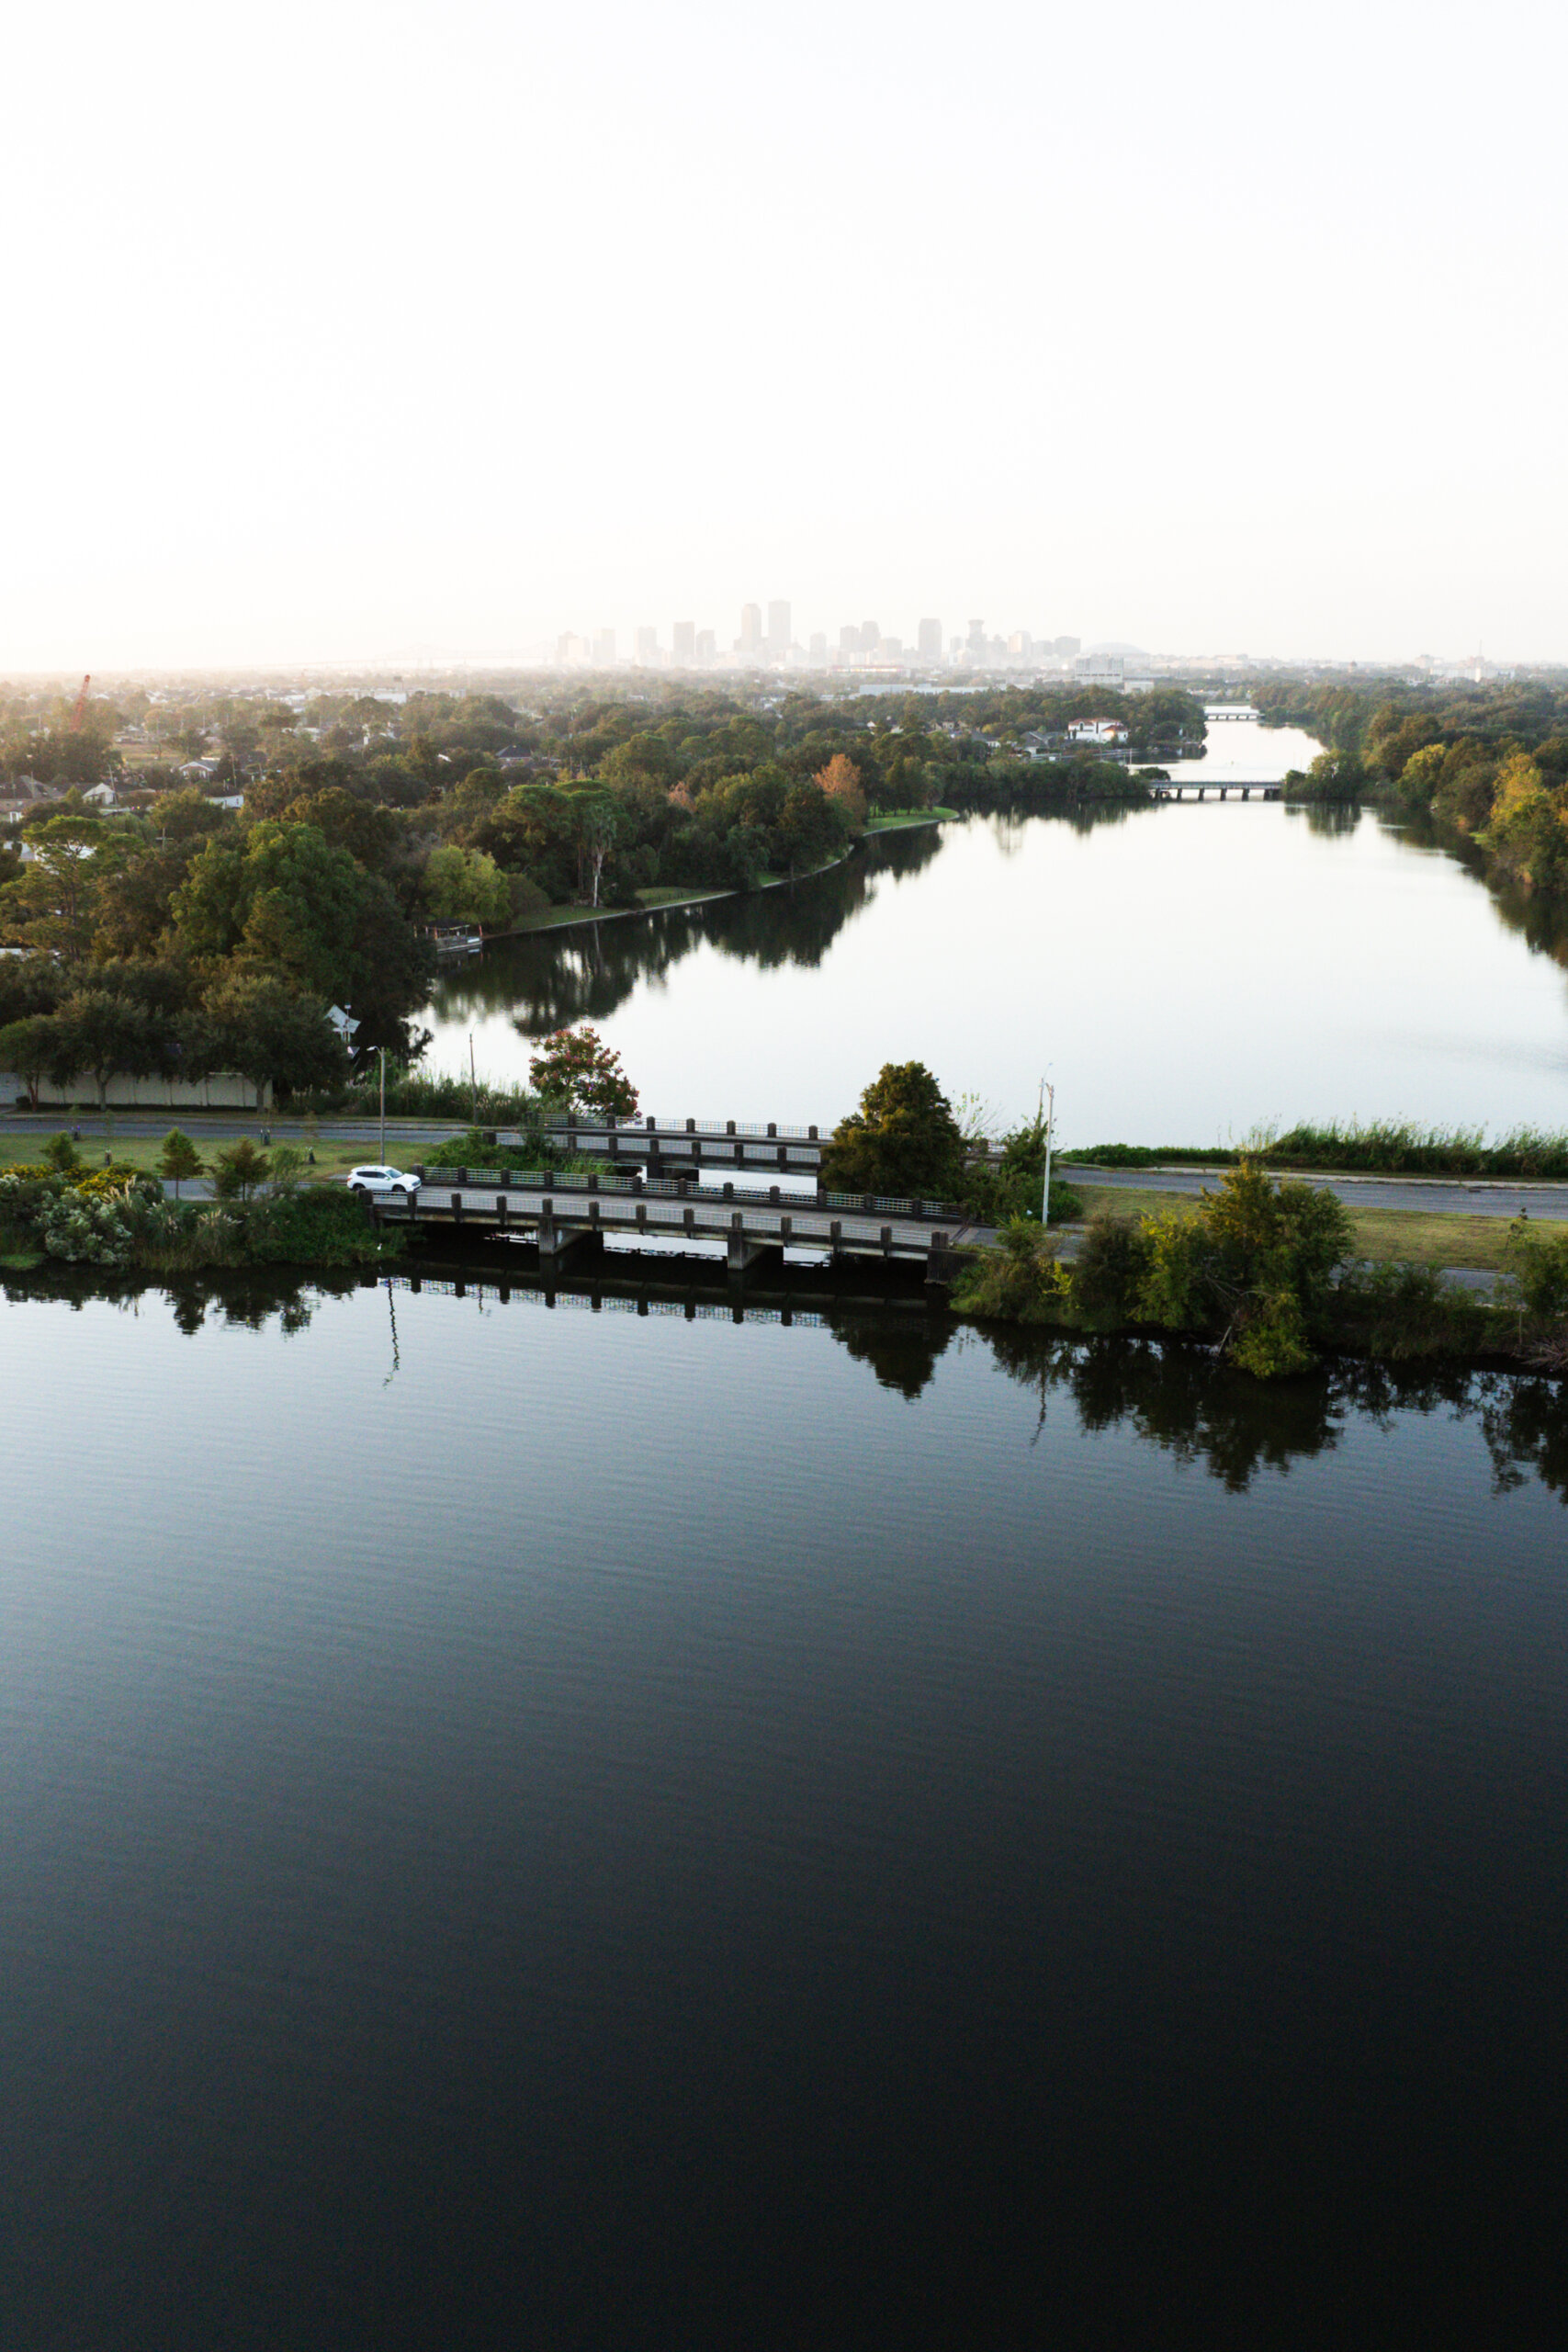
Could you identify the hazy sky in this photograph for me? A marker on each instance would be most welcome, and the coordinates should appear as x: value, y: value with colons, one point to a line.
x: 350, y: 329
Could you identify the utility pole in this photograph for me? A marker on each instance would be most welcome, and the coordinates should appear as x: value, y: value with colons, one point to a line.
x: 382, y: 1051
x: 473, y: 1084
x: 1050, y: 1122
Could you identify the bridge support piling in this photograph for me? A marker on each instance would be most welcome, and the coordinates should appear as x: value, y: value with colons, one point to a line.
x: 744, y: 1255
x: 943, y: 1265
x: 557, y: 1241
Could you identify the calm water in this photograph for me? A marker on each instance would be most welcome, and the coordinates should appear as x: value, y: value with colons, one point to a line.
x: 1182, y: 973
x: 568, y: 1828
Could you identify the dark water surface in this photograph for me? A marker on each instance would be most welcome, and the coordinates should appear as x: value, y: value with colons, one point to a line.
x: 572, y: 1828
x: 1185, y: 974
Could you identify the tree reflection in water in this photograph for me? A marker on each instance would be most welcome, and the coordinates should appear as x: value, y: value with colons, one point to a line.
x: 1172, y: 1394
x: 1178, y: 1397
x: 587, y: 971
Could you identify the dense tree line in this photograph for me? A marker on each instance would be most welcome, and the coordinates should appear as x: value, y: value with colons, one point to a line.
x: 174, y: 935
x: 1486, y: 763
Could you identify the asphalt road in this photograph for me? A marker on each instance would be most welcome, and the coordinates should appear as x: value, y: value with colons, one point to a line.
x: 1434, y: 1195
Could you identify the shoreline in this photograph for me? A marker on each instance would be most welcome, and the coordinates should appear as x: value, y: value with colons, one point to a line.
x: 572, y: 918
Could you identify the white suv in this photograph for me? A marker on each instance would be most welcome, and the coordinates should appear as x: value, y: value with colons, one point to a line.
x: 381, y: 1179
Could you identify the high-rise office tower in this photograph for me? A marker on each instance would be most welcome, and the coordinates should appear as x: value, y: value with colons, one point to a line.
x: 1067, y: 647
x: 931, y: 640
x: 849, y: 638
x: 648, y: 645
x: 603, y: 647
x: 683, y: 637
x: 750, y: 628
x: 976, y: 641
x: 778, y: 627
x: 1021, y: 644
x: 870, y: 636
x: 708, y: 645
x: 818, y: 646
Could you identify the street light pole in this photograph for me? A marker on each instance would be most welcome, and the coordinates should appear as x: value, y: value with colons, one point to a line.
x: 1050, y: 1122
x: 382, y: 1051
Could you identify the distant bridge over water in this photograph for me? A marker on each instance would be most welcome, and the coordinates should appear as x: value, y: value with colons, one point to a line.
x: 1269, y: 788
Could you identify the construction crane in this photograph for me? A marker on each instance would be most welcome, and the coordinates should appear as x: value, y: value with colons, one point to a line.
x: 81, y: 710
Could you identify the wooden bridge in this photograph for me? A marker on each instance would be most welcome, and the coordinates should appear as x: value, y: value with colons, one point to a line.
x: 569, y: 1214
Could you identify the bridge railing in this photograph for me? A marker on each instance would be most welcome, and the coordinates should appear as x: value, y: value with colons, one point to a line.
x: 764, y: 1130
x: 634, y: 1185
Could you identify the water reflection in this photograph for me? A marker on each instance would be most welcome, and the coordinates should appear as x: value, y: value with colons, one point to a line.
x: 587, y: 971
x: 1235, y: 1429
x: 1170, y: 1394
x: 258, y: 1300
x: 1330, y: 819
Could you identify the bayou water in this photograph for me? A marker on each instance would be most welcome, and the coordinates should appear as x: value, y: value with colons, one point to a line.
x: 607, y: 1827
x: 1183, y: 973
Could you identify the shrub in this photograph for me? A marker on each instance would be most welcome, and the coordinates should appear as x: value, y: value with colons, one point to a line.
x: 1537, y: 1270
x: 539, y: 1148
x: 1021, y: 1281
x: 1110, y: 1269
x: 239, y: 1171
x: 318, y: 1226
x: 1402, y: 1311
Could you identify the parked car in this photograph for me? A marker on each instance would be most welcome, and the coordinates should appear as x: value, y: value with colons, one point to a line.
x: 376, y: 1179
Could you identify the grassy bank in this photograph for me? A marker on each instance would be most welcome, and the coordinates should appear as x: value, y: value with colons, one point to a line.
x: 894, y: 821
x: 1382, y: 1236
x: 652, y: 900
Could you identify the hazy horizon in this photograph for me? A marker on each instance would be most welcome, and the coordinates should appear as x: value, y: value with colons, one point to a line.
x: 357, y: 335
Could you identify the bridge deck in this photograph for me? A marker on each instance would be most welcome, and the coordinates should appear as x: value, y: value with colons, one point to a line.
x: 560, y: 1219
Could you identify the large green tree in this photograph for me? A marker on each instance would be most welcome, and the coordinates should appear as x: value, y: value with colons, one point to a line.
x: 284, y: 902
x: 267, y: 1032
x: 464, y: 885
x: 52, y: 905
x: 28, y: 1046
x: 904, y: 1139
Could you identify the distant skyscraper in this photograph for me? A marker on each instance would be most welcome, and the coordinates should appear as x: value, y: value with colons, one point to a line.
x: 1021, y: 644
x: 931, y: 640
x: 1067, y: 647
x: 603, y: 647
x: 683, y: 637
x: 977, y: 638
x: 870, y: 636
x: 818, y: 647
x: 849, y: 638
x: 648, y: 645
x: 708, y: 645
x: 778, y: 628
x: 750, y: 628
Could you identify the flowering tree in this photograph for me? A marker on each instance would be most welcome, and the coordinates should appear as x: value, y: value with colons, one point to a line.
x: 575, y: 1070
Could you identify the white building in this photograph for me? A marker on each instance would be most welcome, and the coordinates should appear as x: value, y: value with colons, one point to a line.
x: 1097, y: 731
x: 1099, y: 669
